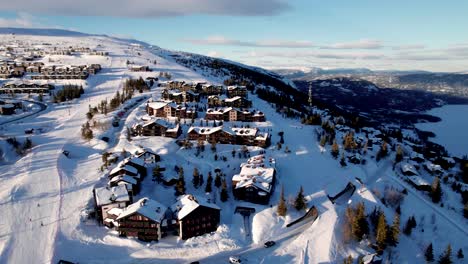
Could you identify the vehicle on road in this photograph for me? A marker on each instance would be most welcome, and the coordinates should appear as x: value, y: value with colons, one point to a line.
x: 234, y: 260
x: 269, y: 244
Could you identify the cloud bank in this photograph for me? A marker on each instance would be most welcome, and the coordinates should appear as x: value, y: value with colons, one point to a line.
x: 148, y: 8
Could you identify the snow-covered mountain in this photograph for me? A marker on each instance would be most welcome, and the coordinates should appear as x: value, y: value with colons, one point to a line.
x: 47, y: 200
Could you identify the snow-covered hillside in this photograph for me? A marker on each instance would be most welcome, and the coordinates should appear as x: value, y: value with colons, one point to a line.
x: 46, y: 196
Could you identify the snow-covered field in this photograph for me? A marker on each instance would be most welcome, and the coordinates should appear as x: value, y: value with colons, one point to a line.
x: 45, y: 194
x: 452, y: 131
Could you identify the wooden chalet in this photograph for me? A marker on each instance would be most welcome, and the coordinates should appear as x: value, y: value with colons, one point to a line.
x: 209, y: 89
x: 132, y: 184
x: 26, y: 87
x: 139, y: 68
x: 234, y: 114
x: 106, y: 198
x: 233, y: 136
x: 169, y: 109
x: 143, y: 219
x: 233, y: 91
x: 238, y: 102
x: 256, y: 181
x: 148, y: 156
x: 195, y: 216
x: 210, y: 134
x: 157, y: 127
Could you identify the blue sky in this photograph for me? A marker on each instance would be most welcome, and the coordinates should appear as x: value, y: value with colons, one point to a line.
x: 404, y: 35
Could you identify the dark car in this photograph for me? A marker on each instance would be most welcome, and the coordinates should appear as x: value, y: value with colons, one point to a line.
x: 269, y: 244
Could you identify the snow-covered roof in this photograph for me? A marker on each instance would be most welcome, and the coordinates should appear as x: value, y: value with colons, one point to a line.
x: 134, y: 160
x: 122, y: 166
x: 243, y: 131
x: 433, y: 167
x: 419, y: 181
x: 123, y: 178
x: 257, y: 171
x: 157, y: 105
x: 146, y: 207
x: 406, y: 167
x: 108, y: 195
x: 188, y: 203
x: 233, y: 99
x: 221, y: 110
x: 205, y: 130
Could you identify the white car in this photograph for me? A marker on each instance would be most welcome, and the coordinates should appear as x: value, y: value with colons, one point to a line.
x: 234, y: 260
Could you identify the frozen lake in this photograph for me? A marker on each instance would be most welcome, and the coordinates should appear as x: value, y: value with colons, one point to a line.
x: 452, y: 131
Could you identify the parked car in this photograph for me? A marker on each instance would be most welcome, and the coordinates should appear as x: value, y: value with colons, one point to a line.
x: 269, y: 244
x: 29, y: 131
x: 234, y: 260
x: 115, y: 123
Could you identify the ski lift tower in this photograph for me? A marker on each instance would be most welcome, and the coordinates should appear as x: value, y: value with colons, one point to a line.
x: 310, y: 96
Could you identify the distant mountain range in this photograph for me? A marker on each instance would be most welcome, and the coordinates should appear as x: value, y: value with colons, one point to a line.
x: 454, y: 84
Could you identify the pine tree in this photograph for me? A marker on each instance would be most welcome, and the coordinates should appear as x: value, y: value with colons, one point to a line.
x: 300, y: 202
x: 446, y: 257
x: 224, y: 192
x: 217, y: 180
x: 209, y: 182
x: 429, y: 254
x: 196, y: 178
x: 180, y: 185
x: 323, y: 141
x: 394, y: 231
x: 360, y: 226
x: 465, y: 210
x: 436, y: 191
x: 460, y: 254
x: 282, y: 208
x: 381, y: 234
x: 399, y: 154
x: 335, y: 150
x: 343, y: 160
x: 348, y: 260
x: 157, y: 175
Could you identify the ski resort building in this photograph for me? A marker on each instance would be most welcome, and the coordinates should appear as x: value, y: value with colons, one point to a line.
x: 157, y: 127
x: 142, y: 219
x: 234, y: 114
x: 256, y: 181
x: 195, y: 216
x: 106, y: 198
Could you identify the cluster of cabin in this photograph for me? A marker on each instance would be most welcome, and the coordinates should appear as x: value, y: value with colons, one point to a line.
x: 145, y: 218
x: 26, y: 87
x: 231, y: 135
x: 256, y: 181
x: 234, y: 114
x: 157, y: 127
x: 54, y: 72
x: 168, y: 109
x: 8, y: 107
x: 139, y: 68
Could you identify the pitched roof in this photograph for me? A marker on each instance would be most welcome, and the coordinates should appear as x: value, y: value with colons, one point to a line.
x: 188, y: 203
x: 108, y: 195
x: 205, y: 130
x: 122, y: 166
x: 146, y: 207
x: 124, y: 178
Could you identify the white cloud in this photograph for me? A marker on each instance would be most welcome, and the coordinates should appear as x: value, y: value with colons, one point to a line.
x: 360, y: 44
x: 22, y: 19
x: 409, y: 47
x: 148, y: 8
x: 223, y: 41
